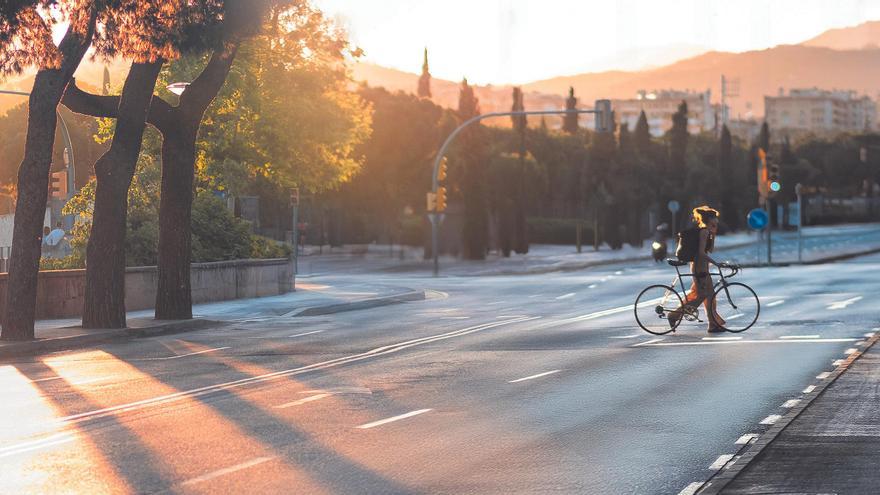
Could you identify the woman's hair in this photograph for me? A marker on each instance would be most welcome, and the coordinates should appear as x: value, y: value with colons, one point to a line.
x: 703, y: 214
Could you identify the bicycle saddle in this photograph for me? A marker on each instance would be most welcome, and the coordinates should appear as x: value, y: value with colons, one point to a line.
x: 675, y: 262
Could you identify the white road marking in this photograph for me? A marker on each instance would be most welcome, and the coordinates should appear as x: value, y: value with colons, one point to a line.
x: 656, y: 343
x: 186, y: 355
x: 222, y: 472
x: 210, y: 389
x: 618, y: 272
x: 626, y: 336
x: 539, y: 375
x: 56, y: 439
x: 566, y: 296
x: 392, y: 419
x: 791, y: 403
x: 809, y: 389
x: 722, y: 338
x: 733, y: 317
x: 745, y: 439
x: 823, y: 375
x: 591, y: 286
x: 649, y: 342
x: 837, y: 362
x: 455, y: 318
x: 502, y: 317
x: 869, y: 335
x: 845, y: 303
x: 721, y: 461
x: 772, y: 419
x: 799, y: 337
x: 89, y: 380
x: 303, y: 401
x: 775, y: 303
x: 850, y: 351
x: 691, y: 489
x: 304, y: 334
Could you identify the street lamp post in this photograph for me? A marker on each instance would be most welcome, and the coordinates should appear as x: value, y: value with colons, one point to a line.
x: 603, y: 119
x: 70, y: 162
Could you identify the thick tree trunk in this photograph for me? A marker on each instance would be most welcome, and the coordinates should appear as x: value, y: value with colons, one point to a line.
x: 174, y: 297
x: 105, y: 255
x: 33, y: 187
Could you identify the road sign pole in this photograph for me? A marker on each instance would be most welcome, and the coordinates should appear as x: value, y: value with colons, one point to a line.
x: 294, y: 199
x: 769, y: 237
x: 798, y: 189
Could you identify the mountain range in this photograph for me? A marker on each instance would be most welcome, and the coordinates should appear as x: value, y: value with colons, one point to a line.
x: 846, y: 58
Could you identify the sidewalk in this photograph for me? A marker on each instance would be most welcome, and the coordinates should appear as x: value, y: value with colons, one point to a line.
x: 836, y: 241
x: 829, y: 445
x: 308, y: 300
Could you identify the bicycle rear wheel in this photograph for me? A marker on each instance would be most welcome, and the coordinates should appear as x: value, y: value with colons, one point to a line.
x: 653, y: 306
x: 738, y: 305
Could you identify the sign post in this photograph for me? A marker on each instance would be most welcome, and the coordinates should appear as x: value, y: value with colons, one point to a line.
x: 294, y: 236
x: 673, y: 208
x: 758, y: 220
x: 798, y: 189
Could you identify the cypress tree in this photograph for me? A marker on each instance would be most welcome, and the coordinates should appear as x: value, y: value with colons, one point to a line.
x: 424, y: 90
x: 642, y: 134
x: 570, y: 120
x: 764, y: 137
x: 678, y: 140
x: 520, y: 242
x: 475, y: 225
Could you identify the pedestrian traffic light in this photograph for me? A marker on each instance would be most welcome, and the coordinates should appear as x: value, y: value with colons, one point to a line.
x: 431, y: 201
x: 773, y: 183
x: 58, y: 184
x: 441, y: 198
x: 441, y: 173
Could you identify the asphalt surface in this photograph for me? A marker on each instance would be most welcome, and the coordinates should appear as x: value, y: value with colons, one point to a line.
x: 526, y: 384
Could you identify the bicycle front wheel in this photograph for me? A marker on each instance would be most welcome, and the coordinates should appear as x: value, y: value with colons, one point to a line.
x: 653, y: 306
x: 738, y: 306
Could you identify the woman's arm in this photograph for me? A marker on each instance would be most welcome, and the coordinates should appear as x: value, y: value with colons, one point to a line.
x: 704, y: 240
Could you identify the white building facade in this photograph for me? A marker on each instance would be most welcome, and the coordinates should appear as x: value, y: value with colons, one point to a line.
x: 659, y: 106
x: 820, y: 111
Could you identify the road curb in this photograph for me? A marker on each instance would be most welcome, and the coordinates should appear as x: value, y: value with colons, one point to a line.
x: 719, y: 481
x: 819, y: 261
x: 329, y: 309
x: 45, y: 346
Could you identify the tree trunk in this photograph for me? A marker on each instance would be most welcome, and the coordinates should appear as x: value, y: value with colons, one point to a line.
x: 33, y: 186
x: 174, y: 297
x: 105, y: 255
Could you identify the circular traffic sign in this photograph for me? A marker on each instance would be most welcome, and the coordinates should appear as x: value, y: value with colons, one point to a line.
x: 673, y: 206
x: 758, y: 219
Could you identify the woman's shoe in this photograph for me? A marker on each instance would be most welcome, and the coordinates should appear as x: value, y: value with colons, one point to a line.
x: 716, y: 329
x: 673, y: 317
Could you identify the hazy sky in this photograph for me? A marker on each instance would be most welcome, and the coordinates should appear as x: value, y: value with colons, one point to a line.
x: 515, y: 41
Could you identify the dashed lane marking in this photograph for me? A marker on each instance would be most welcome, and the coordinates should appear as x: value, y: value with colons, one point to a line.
x: 845, y: 303
x: 772, y: 419
x: 745, y: 439
x: 649, y: 342
x: 823, y: 375
x: 809, y: 389
x: 849, y: 351
x: 303, y: 401
x: 837, y: 362
x: 185, y: 355
x: 799, y: 337
x: 721, y: 461
x: 775, y: 303
x: 392, y: 419
x: 626, y: 336
x: 722, y: 338
x: 532, y: 377
x: 304, y: 334
x: 229, y: 470
x: 791, y: 403
x: 566, y: 296
x: 591, y: 286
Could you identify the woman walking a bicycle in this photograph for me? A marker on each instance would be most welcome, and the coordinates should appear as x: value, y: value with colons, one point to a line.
x: 702, y: 288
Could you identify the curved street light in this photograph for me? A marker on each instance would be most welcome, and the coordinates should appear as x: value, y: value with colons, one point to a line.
x: 65, y: 133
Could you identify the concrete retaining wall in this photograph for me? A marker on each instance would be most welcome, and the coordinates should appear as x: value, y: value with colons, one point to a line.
x: 60, y: 293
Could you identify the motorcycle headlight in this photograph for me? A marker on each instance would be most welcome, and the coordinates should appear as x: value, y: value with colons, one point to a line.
x: 656, y: 245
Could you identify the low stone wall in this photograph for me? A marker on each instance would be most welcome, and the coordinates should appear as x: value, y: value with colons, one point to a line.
x: 60, y: 293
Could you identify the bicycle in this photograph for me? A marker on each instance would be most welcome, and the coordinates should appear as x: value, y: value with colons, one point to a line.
x: 736, y: 302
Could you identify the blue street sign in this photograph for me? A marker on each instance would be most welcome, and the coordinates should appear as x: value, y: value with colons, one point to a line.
x: 758, y: 219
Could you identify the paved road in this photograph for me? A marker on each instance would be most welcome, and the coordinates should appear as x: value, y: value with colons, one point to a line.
x: 528, y: 384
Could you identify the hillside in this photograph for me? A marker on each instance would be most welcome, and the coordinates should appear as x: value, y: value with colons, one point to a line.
x: 863, y: 36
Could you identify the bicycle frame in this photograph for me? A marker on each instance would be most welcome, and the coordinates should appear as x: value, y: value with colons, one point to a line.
x: 722, y: 280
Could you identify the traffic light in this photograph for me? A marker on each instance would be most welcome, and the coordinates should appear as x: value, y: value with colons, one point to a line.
x: 58, y: 184
x: 773, y: 183
x: 431, y: 201
x: 441, y: 199
x: 441, y: 173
